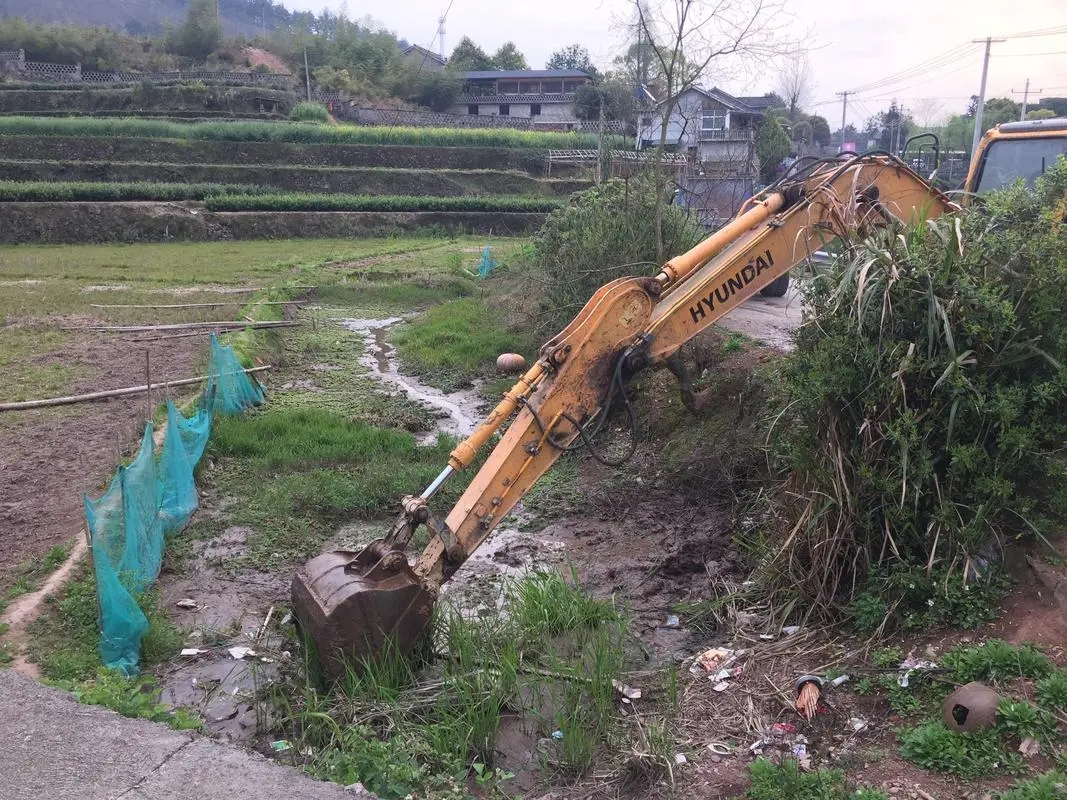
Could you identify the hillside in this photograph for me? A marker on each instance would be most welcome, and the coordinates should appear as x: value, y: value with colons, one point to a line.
x: 239, y: 17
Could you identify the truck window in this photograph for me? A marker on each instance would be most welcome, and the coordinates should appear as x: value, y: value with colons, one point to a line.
x: 1008, y: 160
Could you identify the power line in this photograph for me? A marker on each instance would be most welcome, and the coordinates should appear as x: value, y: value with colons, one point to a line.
x: 1033, y: 55
x: 1060, y: 31
x: 943, y: 59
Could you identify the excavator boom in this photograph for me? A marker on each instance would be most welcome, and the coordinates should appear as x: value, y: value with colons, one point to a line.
x: 351, y: 603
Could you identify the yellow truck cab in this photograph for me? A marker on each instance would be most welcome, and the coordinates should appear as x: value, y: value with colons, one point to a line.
x: 1016, y: 150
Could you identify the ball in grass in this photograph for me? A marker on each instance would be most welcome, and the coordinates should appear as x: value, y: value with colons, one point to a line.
x: 510, y: 362
x: 970, y: 708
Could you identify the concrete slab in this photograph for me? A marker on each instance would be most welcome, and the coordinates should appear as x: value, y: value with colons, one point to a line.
x: 58, y: 749
x: 205, y: 769
x: 55, y: 747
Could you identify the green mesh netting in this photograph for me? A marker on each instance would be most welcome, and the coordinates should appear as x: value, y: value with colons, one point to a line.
x: 152, y: 497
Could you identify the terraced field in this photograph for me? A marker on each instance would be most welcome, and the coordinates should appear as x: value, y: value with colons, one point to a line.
x: 73, y: 180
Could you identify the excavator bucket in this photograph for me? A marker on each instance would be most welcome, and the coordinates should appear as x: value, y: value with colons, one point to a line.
x: 353, y: 606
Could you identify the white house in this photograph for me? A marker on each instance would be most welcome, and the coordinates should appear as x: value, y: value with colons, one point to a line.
x: 712, y: 127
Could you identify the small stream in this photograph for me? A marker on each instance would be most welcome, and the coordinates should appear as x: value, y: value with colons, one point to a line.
x: 459, y: 410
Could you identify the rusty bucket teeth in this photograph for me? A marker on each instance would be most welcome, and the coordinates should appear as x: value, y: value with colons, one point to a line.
x: 351, y: 611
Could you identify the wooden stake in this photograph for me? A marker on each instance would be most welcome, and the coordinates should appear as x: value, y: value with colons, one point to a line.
x: 188, y: 326
x: 148, y: 383
x: 205, y: 305
x: 81, y: 398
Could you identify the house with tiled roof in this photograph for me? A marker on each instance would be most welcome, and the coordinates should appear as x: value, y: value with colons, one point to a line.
x: 712, y: 126
x: 544, y: 96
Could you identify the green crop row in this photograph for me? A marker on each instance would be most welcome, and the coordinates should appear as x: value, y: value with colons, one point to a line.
x: 67, y: 191
x: 294, y: 201
x: 299, y: 133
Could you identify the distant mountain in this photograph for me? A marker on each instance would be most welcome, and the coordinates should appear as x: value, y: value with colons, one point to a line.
x: 140, y: 17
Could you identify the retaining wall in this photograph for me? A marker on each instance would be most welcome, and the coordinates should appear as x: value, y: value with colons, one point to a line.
x: 113, y: 223
x: 121, y: 148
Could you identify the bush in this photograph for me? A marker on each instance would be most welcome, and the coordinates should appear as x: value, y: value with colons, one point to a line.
x: 604, y: 233
x: 310, y: 112
x: 927, y: 396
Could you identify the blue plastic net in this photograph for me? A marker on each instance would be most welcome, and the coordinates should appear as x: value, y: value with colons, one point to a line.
x: 152, y: 497
x: 487, y: 264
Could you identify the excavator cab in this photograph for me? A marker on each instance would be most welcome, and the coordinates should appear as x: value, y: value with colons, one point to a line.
x: 1016, y: 150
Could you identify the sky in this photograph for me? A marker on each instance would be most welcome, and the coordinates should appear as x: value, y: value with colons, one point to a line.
x: 850, y: 46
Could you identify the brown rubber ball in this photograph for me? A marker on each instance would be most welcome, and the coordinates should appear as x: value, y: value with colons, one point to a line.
x: 510, y: 362
x: 972, y: 707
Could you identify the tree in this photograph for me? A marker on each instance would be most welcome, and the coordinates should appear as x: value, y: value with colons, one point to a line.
x: 438, y: 90
x: 469, y: 56
x: 926, y: 110
x: 200, y: 34
x: 891, y: 128
x: 509, y: 57
x: 573, y: 56
x: 795, y: 82
x: 613, y: 92
x: 683, y: 38
x: 772, y: 146
x: 820, y: 130
x: 1041, y: 113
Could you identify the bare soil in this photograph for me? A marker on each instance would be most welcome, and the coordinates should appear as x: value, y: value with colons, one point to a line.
x: 49, y: 458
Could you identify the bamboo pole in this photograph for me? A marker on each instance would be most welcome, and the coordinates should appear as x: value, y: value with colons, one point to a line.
x: 83, y: 398
x: 187, y: 326
x: 202, y: 305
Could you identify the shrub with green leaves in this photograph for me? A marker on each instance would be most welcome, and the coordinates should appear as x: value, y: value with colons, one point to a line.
x: 1052, y: 691
x: 915, y: 599
x: 927, y: 396
x: 309, y: 112
x: 604, y: 233
x: 296, y: 201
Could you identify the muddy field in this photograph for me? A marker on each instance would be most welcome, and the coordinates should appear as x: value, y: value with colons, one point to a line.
x: 50, y: 458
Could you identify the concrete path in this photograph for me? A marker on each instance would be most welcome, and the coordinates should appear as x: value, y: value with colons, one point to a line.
x: 55, y: 748
x: 770, y: 319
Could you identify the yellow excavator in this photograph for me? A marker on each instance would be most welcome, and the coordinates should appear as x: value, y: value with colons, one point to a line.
x: 351, y: 604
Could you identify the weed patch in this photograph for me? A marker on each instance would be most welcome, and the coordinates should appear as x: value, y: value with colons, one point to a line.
x: 996, y: 660
x: 299, y: 473
x: 786, y: 781
x: 64, y: 640
x: 131, y: 697
x: 969, y: 755
x: 432, y: 723
x: 455, y: 343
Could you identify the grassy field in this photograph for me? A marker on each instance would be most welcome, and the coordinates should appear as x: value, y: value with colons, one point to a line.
x: 302, y: 133
x: 56, y: 191
x: 46, y: 289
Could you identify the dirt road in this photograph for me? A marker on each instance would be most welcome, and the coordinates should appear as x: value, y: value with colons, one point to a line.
x: 768, y: 319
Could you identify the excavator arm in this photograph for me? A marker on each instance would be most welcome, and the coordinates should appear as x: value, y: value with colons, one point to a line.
x: 351, y: 603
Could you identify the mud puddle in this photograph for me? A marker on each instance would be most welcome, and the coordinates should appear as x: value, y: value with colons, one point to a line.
x: 231, y: 652
x: 457, y: 411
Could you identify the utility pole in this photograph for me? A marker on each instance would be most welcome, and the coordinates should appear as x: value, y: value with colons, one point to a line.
x: 307, y: 73
x: 1026, y: 96
x: 981, y: 93
x: 844, y: 111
